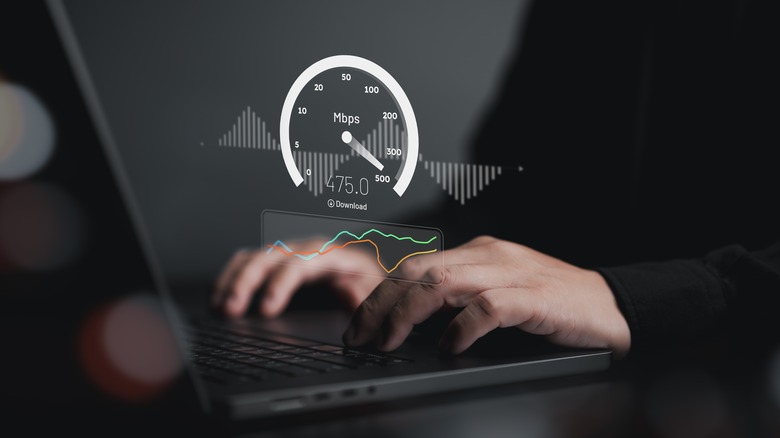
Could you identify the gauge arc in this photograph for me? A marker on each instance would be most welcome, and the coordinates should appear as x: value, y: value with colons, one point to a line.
x: 385, y: 78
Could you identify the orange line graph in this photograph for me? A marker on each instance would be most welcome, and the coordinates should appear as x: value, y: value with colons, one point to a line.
x: 310, y: 254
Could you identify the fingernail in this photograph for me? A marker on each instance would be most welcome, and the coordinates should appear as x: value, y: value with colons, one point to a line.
x: 445, y: 344
x: 382, y: 341
x: 268, y: 304
x: 233, y: 303
x: 349, y: 335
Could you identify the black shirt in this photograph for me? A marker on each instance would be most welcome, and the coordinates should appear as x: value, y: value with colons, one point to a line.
x: 647, y: 132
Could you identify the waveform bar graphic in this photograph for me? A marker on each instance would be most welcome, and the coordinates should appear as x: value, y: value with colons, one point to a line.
x: 249, y: 132
x: 387, y: 135
x: 462, y: 181
x: 322, y: 166
x: 328, y: 242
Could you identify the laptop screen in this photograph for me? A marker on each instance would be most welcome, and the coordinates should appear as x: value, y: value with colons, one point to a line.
x: 243, y: 124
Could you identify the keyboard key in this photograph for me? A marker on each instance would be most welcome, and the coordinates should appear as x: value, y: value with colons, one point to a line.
x: 233, y: 351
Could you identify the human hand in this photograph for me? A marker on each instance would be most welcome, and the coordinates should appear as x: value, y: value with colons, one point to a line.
x: 497, y: 284
x: 352, y: 275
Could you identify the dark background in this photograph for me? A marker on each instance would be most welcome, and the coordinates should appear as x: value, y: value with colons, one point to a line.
x: 170, y: 91
x: 46, y: 308
x: 689, y: 86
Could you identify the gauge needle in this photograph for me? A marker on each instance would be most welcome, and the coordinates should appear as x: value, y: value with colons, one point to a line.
x: 347, y: 138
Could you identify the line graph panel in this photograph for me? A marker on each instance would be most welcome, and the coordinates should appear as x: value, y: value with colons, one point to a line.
x: 354, y: 246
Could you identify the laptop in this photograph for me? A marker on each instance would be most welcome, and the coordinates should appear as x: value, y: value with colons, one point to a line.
x: 209, y: 118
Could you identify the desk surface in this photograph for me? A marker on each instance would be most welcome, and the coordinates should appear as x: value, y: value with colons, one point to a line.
x: 718, y: 394
x: 729, y: 391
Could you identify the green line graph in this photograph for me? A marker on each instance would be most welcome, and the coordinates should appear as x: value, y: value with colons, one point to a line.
x: 299, y: 238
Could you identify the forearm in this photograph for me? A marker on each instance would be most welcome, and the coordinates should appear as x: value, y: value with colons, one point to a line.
x: 685, y: 300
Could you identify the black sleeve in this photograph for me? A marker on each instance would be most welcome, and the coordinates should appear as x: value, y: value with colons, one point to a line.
x: 687, y: 300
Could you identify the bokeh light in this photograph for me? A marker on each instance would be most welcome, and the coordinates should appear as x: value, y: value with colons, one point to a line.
x: 41, y: 227
x: 129, y: 350
x: 26, y: 132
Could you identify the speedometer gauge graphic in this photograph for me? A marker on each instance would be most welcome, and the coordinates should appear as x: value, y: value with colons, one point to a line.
x: 349, y: 106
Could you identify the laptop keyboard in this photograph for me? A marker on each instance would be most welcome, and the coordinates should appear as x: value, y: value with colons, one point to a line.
x: 222, y: 352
